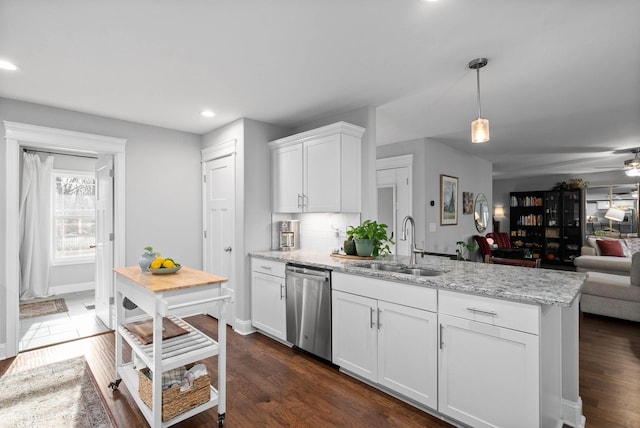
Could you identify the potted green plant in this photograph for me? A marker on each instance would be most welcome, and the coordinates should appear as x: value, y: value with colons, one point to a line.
x: 577, y: 183
x: 464, y: 246
x: 371, y: 238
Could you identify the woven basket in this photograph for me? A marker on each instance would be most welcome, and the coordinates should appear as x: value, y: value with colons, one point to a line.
x: 175, y: 402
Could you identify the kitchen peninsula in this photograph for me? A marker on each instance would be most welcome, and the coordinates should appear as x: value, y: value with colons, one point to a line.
x: 473, y: 343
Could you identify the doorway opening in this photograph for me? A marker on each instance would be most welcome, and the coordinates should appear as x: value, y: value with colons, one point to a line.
x: 394, y: 178
x: 57, y: 293
x: 109, y: 239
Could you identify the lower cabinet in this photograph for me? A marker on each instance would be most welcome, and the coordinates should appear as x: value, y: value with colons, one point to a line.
x: 387, y: 343
x: 268, y: 297
x: 489, y: 375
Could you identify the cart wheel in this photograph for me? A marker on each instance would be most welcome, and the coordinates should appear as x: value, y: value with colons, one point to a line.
x: 114, y: 385
x: 221, y: 420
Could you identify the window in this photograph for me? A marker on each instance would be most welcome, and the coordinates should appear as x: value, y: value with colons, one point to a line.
x: 74, y: 216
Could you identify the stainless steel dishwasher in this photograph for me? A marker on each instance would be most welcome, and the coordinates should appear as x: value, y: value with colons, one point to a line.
x: 309, y: 309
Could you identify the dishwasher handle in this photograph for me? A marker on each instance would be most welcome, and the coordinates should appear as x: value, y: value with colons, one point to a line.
x: 307, y: 276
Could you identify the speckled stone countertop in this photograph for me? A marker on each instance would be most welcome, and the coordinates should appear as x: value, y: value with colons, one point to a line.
x: 543, y: 286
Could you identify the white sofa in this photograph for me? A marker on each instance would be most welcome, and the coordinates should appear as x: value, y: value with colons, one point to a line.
x: 591, y: 259
x: 613, y: 295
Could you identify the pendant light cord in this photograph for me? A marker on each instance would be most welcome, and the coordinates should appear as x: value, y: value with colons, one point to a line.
x: 479, y: 107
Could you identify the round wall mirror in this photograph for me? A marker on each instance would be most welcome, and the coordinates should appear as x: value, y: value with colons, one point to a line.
x: 481, y: 213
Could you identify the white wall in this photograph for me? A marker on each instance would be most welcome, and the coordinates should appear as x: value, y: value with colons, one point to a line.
x: 163, y: 186
x: 431, y: 159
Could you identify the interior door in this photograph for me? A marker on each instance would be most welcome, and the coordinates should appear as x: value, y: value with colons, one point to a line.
x: 104, y: 239
x: 219, y: 225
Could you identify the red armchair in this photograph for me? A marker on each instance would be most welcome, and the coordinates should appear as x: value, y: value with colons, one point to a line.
x: 501, y: 239
x: 483, y: 245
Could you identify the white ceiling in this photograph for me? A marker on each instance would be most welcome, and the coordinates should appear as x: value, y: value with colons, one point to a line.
x: 561, y: 90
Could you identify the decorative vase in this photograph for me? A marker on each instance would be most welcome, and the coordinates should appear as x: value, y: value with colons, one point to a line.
x: 350, y: 247
x: 146, y: 259
x: 364, y: 247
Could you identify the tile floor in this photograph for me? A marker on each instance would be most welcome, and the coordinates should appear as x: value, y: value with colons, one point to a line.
x: 79, y: 322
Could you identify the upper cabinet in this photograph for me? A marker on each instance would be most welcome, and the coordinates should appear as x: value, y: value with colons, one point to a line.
x: 317, y: 170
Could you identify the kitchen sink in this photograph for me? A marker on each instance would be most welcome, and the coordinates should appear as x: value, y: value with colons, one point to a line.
x: 382, y: 266
x: 400, y: 269
x: 420, y: 272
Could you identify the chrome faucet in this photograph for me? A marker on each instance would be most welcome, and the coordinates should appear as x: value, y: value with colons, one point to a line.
x: 412, y: 242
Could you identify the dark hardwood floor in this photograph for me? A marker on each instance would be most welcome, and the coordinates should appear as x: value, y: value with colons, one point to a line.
x: 271, y: 385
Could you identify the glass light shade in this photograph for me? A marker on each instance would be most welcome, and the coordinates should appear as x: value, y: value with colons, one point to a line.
x: 614, y: 214
x: 498, y: 212
x: 633, y: 172
x: 480, y: 130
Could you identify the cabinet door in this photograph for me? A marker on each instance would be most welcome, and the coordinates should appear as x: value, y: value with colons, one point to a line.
x: 286, y: 170
x: 322, y: 166
x: 355, y: 334
x: 489, y: 376
x: 408, y: 352
x: 268, y: 304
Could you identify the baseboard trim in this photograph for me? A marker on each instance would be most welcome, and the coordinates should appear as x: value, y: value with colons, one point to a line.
x: 72, y: 288
x: 3, y: 351
x: 243, y: 327
x: 572, y: 413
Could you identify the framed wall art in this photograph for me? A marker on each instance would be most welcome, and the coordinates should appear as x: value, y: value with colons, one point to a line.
x: 467, y: 203
x: 448, y: 200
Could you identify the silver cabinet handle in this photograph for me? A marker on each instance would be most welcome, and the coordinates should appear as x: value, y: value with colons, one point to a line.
x: 441, y: 342
x: 482, y: 311
x: 265, y: 267
x: 371, y: 317
x: 228, y: 249
x: 305, y: 200
x: 282, y: 295
x: 299, y: 200
x: 379, y: 323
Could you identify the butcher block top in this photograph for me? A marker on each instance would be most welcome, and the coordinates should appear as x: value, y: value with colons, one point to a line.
x: 186, y: 277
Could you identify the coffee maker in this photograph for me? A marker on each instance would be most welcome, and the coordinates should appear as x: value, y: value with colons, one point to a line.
x: 289, y: 232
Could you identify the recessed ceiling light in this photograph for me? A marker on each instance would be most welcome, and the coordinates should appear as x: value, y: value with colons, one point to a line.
x: 207, y: 113
x: 9, y: 66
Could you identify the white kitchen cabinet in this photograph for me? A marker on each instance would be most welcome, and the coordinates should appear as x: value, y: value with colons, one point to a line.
x: 268, y: 297
x: 355, y: 335
x: 489, y: 373
x: 393, y: 344
x: 318, y: 170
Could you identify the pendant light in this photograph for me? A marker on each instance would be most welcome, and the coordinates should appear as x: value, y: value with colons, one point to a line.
x: 480, y: 126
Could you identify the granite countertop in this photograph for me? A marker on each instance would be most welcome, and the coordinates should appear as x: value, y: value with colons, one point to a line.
x: 542, y: 286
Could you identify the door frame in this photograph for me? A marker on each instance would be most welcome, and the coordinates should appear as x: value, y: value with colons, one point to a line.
x: 18, y: 136
x: 394, y: 162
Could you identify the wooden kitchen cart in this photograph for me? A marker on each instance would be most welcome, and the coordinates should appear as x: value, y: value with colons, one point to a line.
x: 159, y: 296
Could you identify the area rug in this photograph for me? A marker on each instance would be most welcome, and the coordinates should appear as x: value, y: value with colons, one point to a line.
x: 62, y: 394
x: 45, y: 307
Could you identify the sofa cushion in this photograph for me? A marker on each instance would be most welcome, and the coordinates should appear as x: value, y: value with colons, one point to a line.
x: 610, y: 248
x: 611, y: 286
x: 632, y: 246
x: 614, y: 265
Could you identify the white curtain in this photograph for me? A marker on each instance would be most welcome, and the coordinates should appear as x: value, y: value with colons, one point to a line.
x: 35, y: 226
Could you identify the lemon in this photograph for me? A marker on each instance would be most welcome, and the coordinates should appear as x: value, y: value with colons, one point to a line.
x: 157, y: 263
x: 168, y: 263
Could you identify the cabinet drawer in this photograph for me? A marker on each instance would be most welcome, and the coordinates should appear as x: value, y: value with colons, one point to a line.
x: 504, y: 313
x: 269, y: 267
x: 414, y: 296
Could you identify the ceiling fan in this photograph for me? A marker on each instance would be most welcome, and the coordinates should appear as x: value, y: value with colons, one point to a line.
x: 632, y: 166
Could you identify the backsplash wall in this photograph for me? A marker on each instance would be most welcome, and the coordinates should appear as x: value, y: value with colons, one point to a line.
x: 322, y: 232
